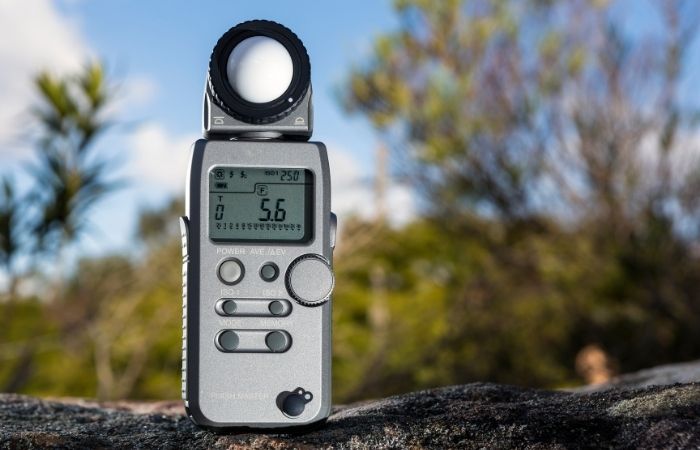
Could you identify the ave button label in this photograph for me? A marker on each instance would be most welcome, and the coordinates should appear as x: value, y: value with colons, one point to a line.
x: 268, y: 251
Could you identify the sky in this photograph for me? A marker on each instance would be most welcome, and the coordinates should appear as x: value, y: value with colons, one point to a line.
x: 157, y: 52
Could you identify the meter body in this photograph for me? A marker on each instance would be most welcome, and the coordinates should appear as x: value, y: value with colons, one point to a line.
x: 257, y: 240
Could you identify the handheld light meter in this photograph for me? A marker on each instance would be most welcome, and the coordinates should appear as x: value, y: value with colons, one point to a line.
x: 257, y: 241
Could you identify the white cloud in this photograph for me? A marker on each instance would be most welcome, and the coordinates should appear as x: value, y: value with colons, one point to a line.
x: 159, y: 159
x: 352, y: 190
x: 135, y: 91
x: 44, y: 39
x: 35, y: 37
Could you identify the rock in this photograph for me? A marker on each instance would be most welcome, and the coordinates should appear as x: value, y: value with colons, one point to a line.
x: 478, y: 415
x: 662, y: 375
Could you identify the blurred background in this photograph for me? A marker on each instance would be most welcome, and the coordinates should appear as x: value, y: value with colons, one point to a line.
x: 517, y: 183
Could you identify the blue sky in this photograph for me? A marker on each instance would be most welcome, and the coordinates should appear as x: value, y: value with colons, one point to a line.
x: 158, y: 51
x: 170, y: 42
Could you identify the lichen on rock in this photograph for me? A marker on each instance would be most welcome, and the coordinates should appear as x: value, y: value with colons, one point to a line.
x: 479, y: 415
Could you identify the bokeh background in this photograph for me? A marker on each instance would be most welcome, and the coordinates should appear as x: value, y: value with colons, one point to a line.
x: 517, y: 183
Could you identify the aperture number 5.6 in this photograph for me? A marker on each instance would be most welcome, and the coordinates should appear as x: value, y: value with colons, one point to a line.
x: 278, y: 215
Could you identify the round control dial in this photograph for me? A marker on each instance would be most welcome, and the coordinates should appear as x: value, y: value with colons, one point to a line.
x: 310, y: 280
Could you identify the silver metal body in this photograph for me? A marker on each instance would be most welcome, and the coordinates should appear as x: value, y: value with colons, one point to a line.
x: 242, y: 389
x: 216, y: 122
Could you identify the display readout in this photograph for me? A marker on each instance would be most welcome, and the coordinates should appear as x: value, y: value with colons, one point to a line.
x: 260, y: 204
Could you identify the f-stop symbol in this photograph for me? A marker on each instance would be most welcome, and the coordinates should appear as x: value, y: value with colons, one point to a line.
x: 262, y: 189
x: 292, y: 403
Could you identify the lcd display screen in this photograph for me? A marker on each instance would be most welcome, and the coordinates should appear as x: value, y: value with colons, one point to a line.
x: 254, y: 204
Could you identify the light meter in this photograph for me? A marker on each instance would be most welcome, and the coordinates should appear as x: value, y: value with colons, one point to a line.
x: 257, y: 241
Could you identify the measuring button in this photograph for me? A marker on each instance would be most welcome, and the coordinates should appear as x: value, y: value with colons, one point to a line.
x: 333, y: 229
x: 278, y: 341
x: 184, y: 233
x: 230, y: 271
x: 310, y: 280
x: 228, y: 340
x: 269, y: 271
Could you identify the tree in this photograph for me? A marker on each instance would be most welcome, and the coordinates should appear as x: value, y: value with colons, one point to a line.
x: 71, y: 118
x: 516, y: 109
x: 10, y: 206
x: 69, y: 179
x: 551, y: 149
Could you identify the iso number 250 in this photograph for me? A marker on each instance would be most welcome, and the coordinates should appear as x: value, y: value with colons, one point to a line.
x: 285, y: 175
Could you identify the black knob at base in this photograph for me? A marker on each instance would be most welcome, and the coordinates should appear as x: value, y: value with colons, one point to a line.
x: 293, y: 403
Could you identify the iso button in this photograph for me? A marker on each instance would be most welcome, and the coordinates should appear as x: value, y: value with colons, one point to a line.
x: 230, y: 271
x: 310, y: 280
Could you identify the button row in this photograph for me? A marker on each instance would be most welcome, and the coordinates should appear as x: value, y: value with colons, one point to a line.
x: 253, y: 341
x: 309, y: 279
x: 253, y: 307
x: 231, y: 271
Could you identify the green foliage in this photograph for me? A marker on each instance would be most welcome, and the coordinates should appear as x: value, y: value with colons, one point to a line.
x: 113, y: 333
x: 450, y: 315
x: 9, y: 212
x: 509, y: 304
x: 70, y: 178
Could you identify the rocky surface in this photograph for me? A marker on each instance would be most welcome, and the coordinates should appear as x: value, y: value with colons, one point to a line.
x: 662, y: 375
x: 632, y: 414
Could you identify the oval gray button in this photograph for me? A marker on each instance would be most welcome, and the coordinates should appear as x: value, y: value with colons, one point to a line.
x: 276, y: 307
x: 228, y: 340
x: 310, y: 280
x: 277, y: 341
x: 229, y: 307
